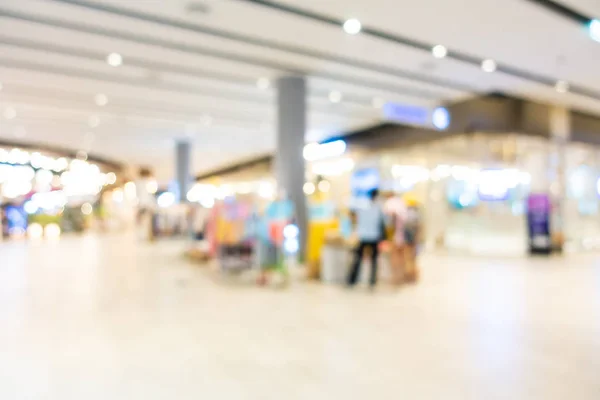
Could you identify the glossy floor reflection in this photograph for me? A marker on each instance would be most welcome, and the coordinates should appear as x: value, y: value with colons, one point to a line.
x: 106, y: 318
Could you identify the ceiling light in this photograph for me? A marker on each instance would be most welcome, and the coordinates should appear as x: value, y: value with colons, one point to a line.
x: 439, y: 51
x: 352, y: 26
x: 594, y: 30
x: 114, y: 59
x: 101, y: 100
x: 562, y: 86
x: 263, y: 83
x: 488, y: 65
x: 335, y: 96
x: 94, y: 121
x: 10, y: 113
x: 378, y: 102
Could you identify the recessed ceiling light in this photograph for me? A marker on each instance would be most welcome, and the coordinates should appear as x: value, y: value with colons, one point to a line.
x: 439, y: 51
x: 378, y: 102
x: 352, y: 26
x: 10, y: 113
x: 263, y: 83
x: 114, y: 59
x: 94, y: 121
x: 101, y: 100
x: 489, y: 65
x: 562, y: 86
x: 335, y: 96
x: 594, y: 30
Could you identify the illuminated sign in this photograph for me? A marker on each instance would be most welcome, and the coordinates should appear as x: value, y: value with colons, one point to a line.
x: 494, y: 184
x: 316, y: 151
x: 406, y: 114
x: 415, y: 115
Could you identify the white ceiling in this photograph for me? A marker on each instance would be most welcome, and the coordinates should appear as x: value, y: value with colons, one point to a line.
x: 590, y: 8
x: 178, y: 81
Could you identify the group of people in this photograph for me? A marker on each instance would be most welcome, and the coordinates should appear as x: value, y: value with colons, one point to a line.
x: 396, y: 221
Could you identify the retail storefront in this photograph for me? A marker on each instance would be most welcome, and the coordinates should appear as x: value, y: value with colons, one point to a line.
x: 473, y: 180
x: 44, y: 192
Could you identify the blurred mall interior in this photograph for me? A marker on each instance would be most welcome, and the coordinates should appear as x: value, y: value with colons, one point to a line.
x: 256, y: 199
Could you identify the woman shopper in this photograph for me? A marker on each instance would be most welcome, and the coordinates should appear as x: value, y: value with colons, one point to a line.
x: 370, y: 229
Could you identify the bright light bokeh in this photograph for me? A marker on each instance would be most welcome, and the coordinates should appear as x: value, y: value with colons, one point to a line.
x: 594, y: 30
x: 52, y: 231
x: 165, y: 200
x: 35, y: 231
x: 316, y: 151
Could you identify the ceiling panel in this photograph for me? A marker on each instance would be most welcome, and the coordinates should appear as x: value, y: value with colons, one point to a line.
x: 194, y: 75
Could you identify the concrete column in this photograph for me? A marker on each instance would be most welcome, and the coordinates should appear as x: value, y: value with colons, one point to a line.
x: 560, y: 134
x: 289, y: 159
x: 183, y: 161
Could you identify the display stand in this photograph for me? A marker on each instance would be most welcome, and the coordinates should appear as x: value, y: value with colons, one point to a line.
x: 235, y: 242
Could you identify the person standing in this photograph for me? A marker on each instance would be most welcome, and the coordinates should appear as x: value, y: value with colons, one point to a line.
x: 412, y: 238
x: 396, y: 210
x: 370, y: 228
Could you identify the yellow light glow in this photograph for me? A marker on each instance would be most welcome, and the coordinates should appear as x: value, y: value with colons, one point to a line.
x: 35, y: 231
x: 52, y: 231
x: 152, y: 187
x: 86, y: 209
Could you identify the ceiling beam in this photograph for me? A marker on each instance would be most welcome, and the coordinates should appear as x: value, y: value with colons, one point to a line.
x: 562, y: 10
x: 420, y: 45
x: 266, y: 44
x: 281, y: 68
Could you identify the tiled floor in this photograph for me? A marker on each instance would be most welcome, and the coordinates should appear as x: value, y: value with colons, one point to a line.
x: 88, y: 318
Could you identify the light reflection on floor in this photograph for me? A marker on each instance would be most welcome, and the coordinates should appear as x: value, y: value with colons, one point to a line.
x: 106, y: 318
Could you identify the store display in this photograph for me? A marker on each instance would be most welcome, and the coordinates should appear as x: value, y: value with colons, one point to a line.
x: 538, y: 222
x: 49, y: 191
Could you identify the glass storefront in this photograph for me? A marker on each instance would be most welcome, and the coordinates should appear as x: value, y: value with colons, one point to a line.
x: 474, y: 189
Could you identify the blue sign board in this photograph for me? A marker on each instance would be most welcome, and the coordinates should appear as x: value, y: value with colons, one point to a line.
x: 415, y: 115
x: 406, y: 114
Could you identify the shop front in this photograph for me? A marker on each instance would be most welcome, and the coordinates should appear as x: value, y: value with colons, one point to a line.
x: 44, y: 192
x: 476, y: 182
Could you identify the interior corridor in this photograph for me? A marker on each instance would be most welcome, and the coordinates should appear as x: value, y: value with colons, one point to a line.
x: 110, y: 318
